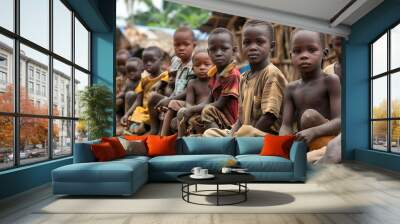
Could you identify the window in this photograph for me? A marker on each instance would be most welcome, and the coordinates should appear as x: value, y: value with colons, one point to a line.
x: 385, y: 95
x: 47, y: 35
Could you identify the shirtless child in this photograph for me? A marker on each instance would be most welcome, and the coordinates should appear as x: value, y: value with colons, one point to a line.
x: 197, y: 93
x: 314, y: 100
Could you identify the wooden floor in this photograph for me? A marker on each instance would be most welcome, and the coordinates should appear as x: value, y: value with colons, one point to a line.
x: 377, y: 188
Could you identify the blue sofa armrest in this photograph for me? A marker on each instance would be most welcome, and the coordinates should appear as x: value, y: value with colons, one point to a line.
x: 83, y: 152
x: 299, y: 159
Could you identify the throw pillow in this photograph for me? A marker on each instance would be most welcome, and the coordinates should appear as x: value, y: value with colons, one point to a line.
x: 277, y: 145
x: 103, y: 151
x: 135, y: 147
x: 116, y: 145
x: 161, y: 145
x: 135, y: 137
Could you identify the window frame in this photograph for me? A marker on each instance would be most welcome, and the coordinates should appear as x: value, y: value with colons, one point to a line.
x: 16, y: 115
x: 388, y: 74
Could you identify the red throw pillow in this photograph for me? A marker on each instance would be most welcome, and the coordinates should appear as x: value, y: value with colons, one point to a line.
x: 116, y: 145
x: 161, y: 145
x: 277, y: 146
x: 103, y: 152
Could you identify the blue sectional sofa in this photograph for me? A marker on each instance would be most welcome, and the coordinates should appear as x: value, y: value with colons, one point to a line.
x: 125, y: 176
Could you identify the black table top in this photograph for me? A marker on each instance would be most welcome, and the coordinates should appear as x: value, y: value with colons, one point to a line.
x: 220, y: 178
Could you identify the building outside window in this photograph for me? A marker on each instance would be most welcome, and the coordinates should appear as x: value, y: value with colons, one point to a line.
x: 56, y: 123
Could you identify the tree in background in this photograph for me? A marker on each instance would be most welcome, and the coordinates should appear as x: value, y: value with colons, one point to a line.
x: 33, y: 131
x: 380, y: 127
x: 171, y: 15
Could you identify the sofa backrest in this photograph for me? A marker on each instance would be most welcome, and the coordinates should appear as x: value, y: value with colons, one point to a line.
x: 205, y: 145
x: 83, y: 152
x: 249, y: 145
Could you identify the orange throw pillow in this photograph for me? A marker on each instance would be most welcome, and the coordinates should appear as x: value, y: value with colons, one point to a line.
x: 161, y: 145
x: 116, y: 145
x: 277, y: 145
x: 135, y: 137
x: 103, y: 152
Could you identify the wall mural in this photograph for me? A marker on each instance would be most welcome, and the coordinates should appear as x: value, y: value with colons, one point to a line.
x: 190, y: 72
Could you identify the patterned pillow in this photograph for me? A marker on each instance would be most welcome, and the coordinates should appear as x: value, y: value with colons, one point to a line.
x: 134, y: 147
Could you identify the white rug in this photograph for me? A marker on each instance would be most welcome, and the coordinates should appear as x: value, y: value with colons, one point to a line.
x: 166, y: 198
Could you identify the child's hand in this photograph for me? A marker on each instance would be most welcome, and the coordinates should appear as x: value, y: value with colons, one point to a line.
x: 187, y: 113
x: 163, y: 103
x: 124, y: 120
x: 305, y: 135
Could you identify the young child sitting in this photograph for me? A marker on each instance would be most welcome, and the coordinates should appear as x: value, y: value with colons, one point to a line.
x: 126, y: 96
x: 221, y: 108
x: 314, y: 100
x: 197, y: 93
x: 261, y: 88
x: 139, y: 112
x: 181, y: 67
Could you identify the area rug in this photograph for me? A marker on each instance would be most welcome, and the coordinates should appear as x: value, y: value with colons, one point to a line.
x: 166, y: 198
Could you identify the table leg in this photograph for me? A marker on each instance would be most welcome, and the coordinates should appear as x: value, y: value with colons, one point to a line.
x: 217, y: 194
x: 196, y: 188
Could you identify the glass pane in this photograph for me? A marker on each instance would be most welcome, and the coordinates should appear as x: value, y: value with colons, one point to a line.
x: 81, y: 131
x: 395, y: 47
x: 33, y: 139
x: 379, y: 135
x: 35, y: 21
x: 34, y: 97
x: 379, y: 97
x: 62, y: 29
x: 7, y: 14
x: 81, y: 81
x: 6, y: 74
x: 379, y: 55
x: 6, y: 142
x: 62, y: 89
x: 395, y: 95
x: 395, y: 136
x: 81, y: 45
x: 62, y: 141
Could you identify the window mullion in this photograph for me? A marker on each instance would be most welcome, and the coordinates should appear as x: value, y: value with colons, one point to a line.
x: 73, y: 82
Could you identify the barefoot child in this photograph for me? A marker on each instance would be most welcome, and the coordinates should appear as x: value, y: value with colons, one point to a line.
x: 221, y: 108
x: 138, y: 112
x: 197, y: 93
x: 314, y: 100
x: 261, y: 88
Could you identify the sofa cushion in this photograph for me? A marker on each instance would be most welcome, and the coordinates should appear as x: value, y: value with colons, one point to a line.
x: 206, y: 145
x: 112, y: 171
x: 103, y: 152
x: 185, y: 163
x: 277, y: 145
x: 257, y: 163
x: 161, y: 145
x: 249, y: 145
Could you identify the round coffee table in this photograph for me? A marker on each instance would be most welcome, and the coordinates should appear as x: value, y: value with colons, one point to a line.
x: 238, y: 179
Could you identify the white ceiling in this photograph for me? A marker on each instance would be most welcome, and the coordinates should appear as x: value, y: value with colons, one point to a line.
x: 317, y: 15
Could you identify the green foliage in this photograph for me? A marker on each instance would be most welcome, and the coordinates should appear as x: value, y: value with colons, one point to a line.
x: 172, y: 16
x: 96, y: 102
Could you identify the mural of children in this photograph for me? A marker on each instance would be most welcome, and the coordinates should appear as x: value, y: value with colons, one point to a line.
x: 139, y: 112
x: 184, y: 43
x: 221, y: 108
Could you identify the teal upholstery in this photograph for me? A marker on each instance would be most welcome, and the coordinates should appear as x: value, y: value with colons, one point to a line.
x: 259, y: 163
x: 185, y: 163
x: 206, y: 145
x: 249, y: 145
x: 119, y: 177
